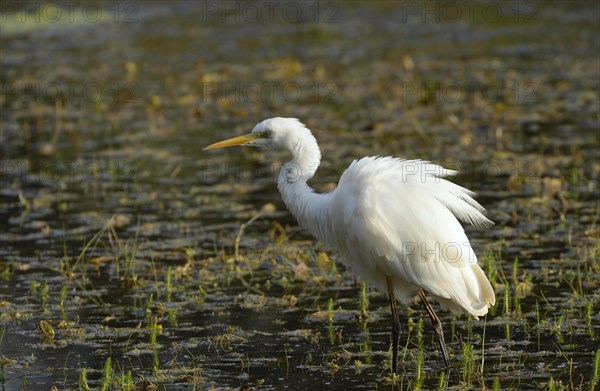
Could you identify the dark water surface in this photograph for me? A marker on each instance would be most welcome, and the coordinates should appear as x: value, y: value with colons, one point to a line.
x: 121, y: 239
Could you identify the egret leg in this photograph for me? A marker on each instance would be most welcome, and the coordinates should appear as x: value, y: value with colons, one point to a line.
x: 395, y: 324
x: 437, y: 326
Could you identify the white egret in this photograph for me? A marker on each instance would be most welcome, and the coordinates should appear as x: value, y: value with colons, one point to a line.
x: 395, y: 222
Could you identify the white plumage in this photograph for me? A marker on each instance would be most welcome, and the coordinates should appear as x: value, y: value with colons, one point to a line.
x: 395, y: 222
x: 398, y: 219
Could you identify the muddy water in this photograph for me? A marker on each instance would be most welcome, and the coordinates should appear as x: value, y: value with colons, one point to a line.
x: 120, y: 239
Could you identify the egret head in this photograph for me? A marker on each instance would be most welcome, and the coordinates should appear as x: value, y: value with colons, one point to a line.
x: 275, y: 132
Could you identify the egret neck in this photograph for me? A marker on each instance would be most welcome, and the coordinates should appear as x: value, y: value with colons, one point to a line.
x: 309, y: 208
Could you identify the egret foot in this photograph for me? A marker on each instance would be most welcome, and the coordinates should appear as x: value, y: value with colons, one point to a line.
x: 395, y: 324
x: 437, y: 326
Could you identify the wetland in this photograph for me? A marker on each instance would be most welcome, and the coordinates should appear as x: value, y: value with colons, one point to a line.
x: 132, y: 260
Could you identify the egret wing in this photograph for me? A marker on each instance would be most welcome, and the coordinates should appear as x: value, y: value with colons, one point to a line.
x: 400, y: 218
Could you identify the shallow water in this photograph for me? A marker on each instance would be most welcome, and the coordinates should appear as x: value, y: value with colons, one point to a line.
x: 119, y: 235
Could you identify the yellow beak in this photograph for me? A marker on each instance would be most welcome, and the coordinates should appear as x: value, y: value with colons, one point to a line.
x: 240, y: 140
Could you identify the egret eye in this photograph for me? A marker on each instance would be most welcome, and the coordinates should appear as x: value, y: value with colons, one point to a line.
x: 267, y: 134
